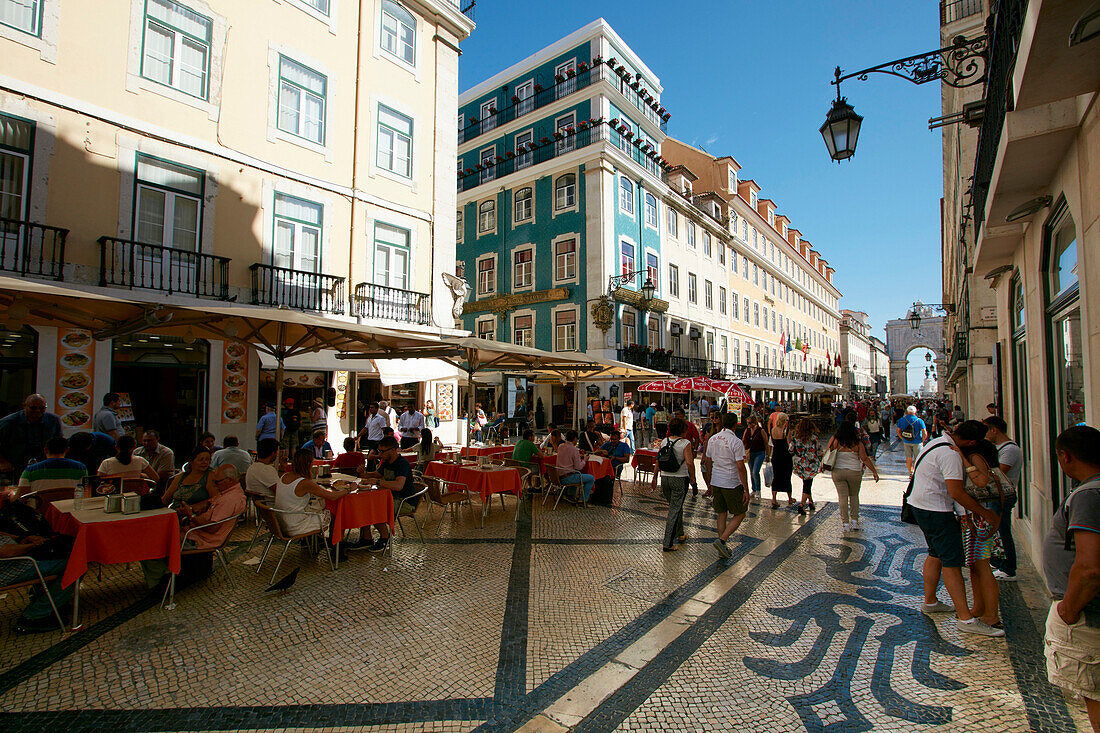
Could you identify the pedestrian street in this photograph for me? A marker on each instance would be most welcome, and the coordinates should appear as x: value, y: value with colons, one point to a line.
x: 568, y: 619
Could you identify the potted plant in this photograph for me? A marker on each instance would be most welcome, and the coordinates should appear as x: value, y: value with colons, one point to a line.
x: 500, y: 158
x: 492, y: 110
x: 571, y: 73
x: 515, y: 99
x: 545, y: 141
x: 615, y: 122
x: 473, y: 120
x: 510, y: 155
x: 558, y: 135
x: 538, y: 87
x: 559, y: 78
x: 583, y: 66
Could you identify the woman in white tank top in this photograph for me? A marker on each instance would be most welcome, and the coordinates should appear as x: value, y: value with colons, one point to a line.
x: 292, y: 493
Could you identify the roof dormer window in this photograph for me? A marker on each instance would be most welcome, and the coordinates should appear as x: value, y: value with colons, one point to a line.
x: 752, y: 199
x: 771, y: 216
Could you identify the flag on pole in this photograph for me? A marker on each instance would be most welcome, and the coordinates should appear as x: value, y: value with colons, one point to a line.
x: 783, y: 339
x: 828, y: 359
x: 789, y: 346
x: 838, y: 359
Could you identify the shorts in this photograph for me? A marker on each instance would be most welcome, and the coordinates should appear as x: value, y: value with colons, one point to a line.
x: 943, y: 535
x: 1073, y: 655
x: 912, y: 450
x: 730, y: 501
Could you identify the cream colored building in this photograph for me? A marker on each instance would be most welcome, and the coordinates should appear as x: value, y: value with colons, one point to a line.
x: 1037, y: 246
x: 281, y: 153
x: 855, y: 353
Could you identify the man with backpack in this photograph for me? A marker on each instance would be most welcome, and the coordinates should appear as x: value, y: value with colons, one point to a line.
x: 1011, y: 460
x: 913, y: 433
x: 676, y: 463
x: 1071, y: 567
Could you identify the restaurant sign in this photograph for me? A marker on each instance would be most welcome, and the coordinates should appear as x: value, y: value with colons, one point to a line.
x: 503, y: 303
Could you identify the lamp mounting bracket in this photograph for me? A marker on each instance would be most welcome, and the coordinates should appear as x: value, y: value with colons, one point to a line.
x: 962, y: 64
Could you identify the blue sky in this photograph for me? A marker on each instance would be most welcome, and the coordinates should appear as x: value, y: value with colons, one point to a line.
x: 751, y: 80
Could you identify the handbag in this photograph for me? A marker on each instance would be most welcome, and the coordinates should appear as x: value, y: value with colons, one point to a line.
x: 906, y: 510
x: 993, y: 490
x: 769, y: 474
x: 829, y: 459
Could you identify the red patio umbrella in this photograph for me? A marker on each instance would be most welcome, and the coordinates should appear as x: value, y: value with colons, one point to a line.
x: 694, y: 384
x: 736, y: 394
x: 661, y: 385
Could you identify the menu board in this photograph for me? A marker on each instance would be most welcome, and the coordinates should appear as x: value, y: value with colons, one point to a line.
x: 234, y: 382
x: 445, y: 401
x: 75, y: 372
x: 341, y: 394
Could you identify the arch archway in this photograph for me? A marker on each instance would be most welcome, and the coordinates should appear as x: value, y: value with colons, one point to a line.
x: 902, y: 338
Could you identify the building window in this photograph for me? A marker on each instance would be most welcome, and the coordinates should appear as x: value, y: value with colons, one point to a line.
x: 169, y: 204
x: 706, y: 244
x: 523, y: 271
x: 626, y: 195
x: 486, y: 276
x: 722, y: 306
x: 523, y: 330
x: 693, y: 294
x: 565, y: 330
x: 755, y: 274
x: 488, y: 164
x: 650, y: 210
x: 176, y: 43
x: 395, y: 140
x: 486, y: 216
x: 721, y: 254
x: 746, y: 304
x: 653, y: 332
x: 744, y: 267
x: 523, y: 208
x: 459, y: 225
x: 26, y: 15
x: 524, y: 157
x: 708, y: 294
x: 565, y: 191
x: 565, y: 259
x: 710, y: 346
x: 652, y: 272
x: 301, y: 101
x: 321, y: 6
x: 689, y: 229
x: 564, y: 125
x: 487, y: 329
x: 673, y: 223
x: 16, y: 145
x: 398, y: 32
x: 1020, y: 393
x: 297, y: 234
x: 627, y: 258
x: 488, y: 111
x: 391, y: 256
x: 775, y: 329
x: 725, y: 349
x: 674, y: 281
x: 630, y: 327
x: 756, y: 314
x: 734, y: 306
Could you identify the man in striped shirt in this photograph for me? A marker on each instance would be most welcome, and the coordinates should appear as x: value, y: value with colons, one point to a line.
x: 55, y: 472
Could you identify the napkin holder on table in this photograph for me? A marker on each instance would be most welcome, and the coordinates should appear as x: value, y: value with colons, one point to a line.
x: 131, y: 502
x: 114, y: 503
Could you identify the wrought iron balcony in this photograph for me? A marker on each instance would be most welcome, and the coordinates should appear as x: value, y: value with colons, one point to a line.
x: 282, y: 287
x: 124, y: 263
x: 391, y: 304
x: 952, y: 10
x: 960, y: 352
x: 29, y: 248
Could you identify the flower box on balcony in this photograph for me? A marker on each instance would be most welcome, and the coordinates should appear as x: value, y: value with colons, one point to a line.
x: 515, y: 99
x: 538, y: 87
x: 571, y: 73
x: 559, y: 78
x: 583, y: 66
x: 510, y: 155
x: 559, y: 136
x: 546, y: 141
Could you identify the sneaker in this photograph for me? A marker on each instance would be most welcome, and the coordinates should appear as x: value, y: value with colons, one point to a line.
x: 669, y: 549
x: 379, y: 545
x: 1002, y: 575
x: 724, y: 552
x: 682, y: 539
x: 977, y: 626
x: 855, y: 525
x: 937, y: 607
x: 845, y: 526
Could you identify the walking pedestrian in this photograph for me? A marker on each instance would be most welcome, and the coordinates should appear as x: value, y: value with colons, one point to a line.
x: 725, y: 473
x: 1010, y: 459
x: 626, y: 423
x: 937, y: 484
x: 806, y: 451
x: 782, y: 463
x: 674, y: 483
x: 847, y: 472
x: 1071, y: 565
x: 873, y: 427
x: 756, y: 443
x: 912, y: 433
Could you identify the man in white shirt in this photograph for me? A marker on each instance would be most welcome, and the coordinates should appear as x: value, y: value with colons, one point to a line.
x: 262, y: 475
x: 626, y: 423
x: 390, y: 414
x: 372, y: 429
x: 410, y: 424
x: 1011, y: 460
x: 233, y: 455
x: 936, y: 487
x: 704, y: 408
x: 725, y: 474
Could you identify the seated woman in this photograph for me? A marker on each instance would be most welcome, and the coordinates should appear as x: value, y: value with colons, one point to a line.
x: 124, y: 464
x: 195, y: 486
x: 550, y: 445
x: 293, y: 491
x: 228, y: 502
x: 427, y: 449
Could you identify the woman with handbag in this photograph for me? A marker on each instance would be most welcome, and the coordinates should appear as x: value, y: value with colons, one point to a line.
x: 846, y: 456
x: 756, y: 443
x: 986, y: 487
x: 782, y: 462
x: 806, y: 450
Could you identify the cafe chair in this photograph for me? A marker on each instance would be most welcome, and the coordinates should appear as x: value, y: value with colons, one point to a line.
x: 645, y: 468
x: 270, y: 516
x: 253, y: 499
x: 553, y: 480
x: 406, y: 507
x: 41, y: 580
x: 218, y: 552
x: 447, y: 495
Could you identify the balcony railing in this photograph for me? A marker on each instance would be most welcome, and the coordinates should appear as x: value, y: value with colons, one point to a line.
x: 690, y: 366
x: 960, y: 352
x: 124, y: 263
x: 28, y: 248
x: 391, y: 304
x: 298, y: 289
x: 1008, y: 24
x: 952, y: 10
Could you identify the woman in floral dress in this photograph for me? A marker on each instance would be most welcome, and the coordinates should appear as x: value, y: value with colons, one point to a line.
x: 806, y: 451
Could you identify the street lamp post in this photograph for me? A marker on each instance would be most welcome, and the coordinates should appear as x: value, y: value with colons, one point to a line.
x: 915, y: 314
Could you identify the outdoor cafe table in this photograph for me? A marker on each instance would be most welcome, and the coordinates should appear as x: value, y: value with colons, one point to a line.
x: 360, y: 509
x: 493, y: 451
x: 641, y: 452
x: 112, y: 538
x: 484, y: 481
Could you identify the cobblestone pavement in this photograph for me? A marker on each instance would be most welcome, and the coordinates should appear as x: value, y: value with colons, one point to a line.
x: 565, y: 619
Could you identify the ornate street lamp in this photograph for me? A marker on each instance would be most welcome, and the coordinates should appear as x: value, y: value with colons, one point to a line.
x: 914, y: 319
x: 648, y: 290
x: 841, y: 127
x: 928, y: 356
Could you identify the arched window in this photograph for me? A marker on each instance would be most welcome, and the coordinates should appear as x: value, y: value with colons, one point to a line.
x: 1063, y: 310
x: 565, y: 191
x: 626, y: 196
x: 398, y: 32
x: 651, y: 210
x: 523, y: 211
x: 486, y: 216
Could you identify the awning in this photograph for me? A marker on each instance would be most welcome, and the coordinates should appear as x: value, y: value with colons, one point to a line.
x: 403, y: 371
x: 319, y: 361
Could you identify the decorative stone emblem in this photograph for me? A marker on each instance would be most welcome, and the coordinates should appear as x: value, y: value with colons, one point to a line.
x: 603, y: 315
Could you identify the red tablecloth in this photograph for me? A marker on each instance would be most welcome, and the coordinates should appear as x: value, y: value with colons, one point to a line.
x: 490, y: 450
x: 641, y: 452
x: 114, y: 538
x: 360, y: 509
x: 481, y: 481
x: 598, y: 469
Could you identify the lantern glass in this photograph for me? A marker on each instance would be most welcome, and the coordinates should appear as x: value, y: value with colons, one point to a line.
x: 841, y: 130
x: 914, y: 320
x: 648, y: 289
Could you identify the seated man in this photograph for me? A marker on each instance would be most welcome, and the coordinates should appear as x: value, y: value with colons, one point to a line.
x: 394, y: 474
x: 158, y: 455
x: 56, y: 472
x: 24, y: 531
x: 232, y: 455
x: 618, y: 451
x: 350, y: 460
x: 319, y: 446
x: 571, y: 465
x: 525, y: 449
x: 262, y: 475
